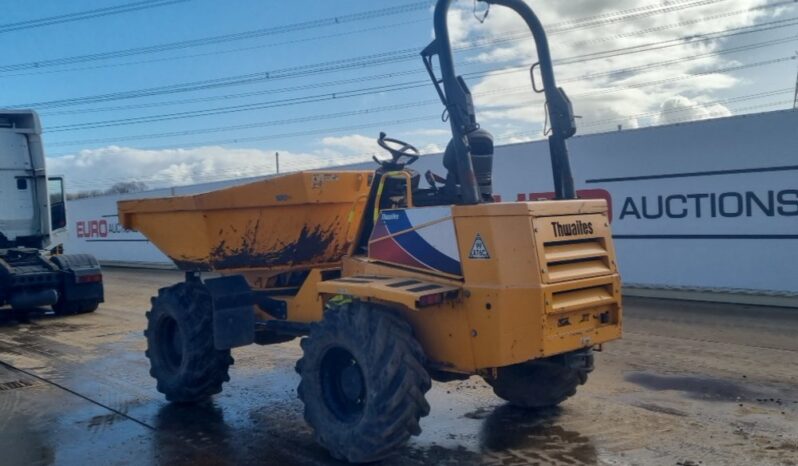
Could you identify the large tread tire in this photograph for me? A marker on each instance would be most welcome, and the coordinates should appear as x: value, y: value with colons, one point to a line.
x: 542, y: 383
x: 391, y: 364
x: 187, y: 368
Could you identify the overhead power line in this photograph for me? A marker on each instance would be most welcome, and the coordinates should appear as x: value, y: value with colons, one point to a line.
x: 331, y: 161
x: 382, y: 59
x: 173, y: 59
x: 636, y: 116
x: 413, y: 84
x: 236, y: 109
x: 383, y: 76
x: 87, y: 14
x: 305, y: 133
x: 221, y: 39
x: 524, y: 32
x: 570, y: 25
x: 340, y: 95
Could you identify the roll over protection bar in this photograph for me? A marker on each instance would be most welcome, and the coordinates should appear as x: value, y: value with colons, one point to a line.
x: 460, y: 107
x: 457, y: 99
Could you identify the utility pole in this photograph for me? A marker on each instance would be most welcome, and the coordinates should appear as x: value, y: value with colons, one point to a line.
x: 795, y: 99
x: 277, y: 161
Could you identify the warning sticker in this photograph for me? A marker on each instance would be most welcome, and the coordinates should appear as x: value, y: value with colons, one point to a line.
x: 478, y: 250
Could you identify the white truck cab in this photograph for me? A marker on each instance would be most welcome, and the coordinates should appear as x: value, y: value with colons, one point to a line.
x: 33, y: 211
x: 33, y: 226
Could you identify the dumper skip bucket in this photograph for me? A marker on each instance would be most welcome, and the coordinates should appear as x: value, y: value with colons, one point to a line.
x: 289, y: 222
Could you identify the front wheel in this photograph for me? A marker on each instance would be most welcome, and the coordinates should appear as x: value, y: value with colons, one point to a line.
x: 183, y: 359
x: 542, y: 383
x: 362, y: 382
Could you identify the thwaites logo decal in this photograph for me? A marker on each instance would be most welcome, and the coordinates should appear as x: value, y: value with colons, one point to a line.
x: 577, y: 228
x: 479, y: 250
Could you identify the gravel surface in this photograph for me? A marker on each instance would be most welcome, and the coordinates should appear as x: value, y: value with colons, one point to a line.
x: 690, y: 384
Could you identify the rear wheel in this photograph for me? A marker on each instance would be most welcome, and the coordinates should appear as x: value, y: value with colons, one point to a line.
x: 363, y: 382
x: 183, y: 359
x: 89, y: 306
x: 78, y: 298
x: 63, y: 307
x: 542, y: 382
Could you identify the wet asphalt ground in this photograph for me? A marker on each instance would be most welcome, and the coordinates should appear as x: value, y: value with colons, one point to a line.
x: 690, y: 384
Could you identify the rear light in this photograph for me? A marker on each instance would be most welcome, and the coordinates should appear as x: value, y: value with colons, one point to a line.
x: 435, y: 299
x: 93, y: 278
x: 430, y: 300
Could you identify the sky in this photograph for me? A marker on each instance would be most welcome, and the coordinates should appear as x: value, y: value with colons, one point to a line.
x: 184, y: 91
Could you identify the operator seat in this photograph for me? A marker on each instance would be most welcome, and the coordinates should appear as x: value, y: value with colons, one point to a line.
x: 481, y: 144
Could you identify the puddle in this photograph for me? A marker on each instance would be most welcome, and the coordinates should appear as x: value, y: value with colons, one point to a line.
x: 102, y: 421
x: 39, y: 321
x: 696, y: 387
x: 537, y: 434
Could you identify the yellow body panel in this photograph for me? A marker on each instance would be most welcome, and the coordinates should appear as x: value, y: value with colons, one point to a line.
x: 547, y: 285
x: 387, y: 289
x: 537, y: 295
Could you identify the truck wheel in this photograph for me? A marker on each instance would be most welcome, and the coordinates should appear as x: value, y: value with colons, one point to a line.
x: 63, y: 307
x: 363, y: 382
x: 183, y: 359
x: 544, y: 382
x: 77, y: 298
x: 75, y: 307
x: 89, y: 306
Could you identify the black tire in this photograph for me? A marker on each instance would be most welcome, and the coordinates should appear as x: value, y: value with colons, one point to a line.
x: 89, y: 306
x: 363, y: 382
x: 542, y: 383
x: 183, y: 359
x: 65, y: 308
x: 75, y: 307
x: 67, y: 262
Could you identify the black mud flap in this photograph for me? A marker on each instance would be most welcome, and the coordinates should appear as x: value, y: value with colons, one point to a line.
x: 233, y: 311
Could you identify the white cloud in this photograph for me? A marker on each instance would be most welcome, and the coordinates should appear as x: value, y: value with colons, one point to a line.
x: 437, y: 133
x: 680, y: 108
x: 601, y: 95
x: 640, y: 94
x: 353, y: 144
x: 100, y: 168
x: 431, y: 148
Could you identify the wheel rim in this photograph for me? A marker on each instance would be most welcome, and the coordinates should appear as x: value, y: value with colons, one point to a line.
x: 343, y: 385
x: 171, y: 343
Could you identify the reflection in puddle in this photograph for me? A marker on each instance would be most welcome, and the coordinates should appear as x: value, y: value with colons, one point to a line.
x: 190, y: 433
x: 535, y: 435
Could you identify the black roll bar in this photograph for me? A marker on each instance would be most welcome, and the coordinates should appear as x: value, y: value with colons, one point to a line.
x: 457, y: 99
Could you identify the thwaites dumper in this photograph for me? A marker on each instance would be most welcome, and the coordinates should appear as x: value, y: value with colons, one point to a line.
x: 391, y: 285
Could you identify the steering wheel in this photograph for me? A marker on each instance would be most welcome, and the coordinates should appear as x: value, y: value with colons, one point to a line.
x: 397, y: 149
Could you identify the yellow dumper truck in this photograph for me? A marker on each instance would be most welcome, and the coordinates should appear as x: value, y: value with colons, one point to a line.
x: 390, y: 284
